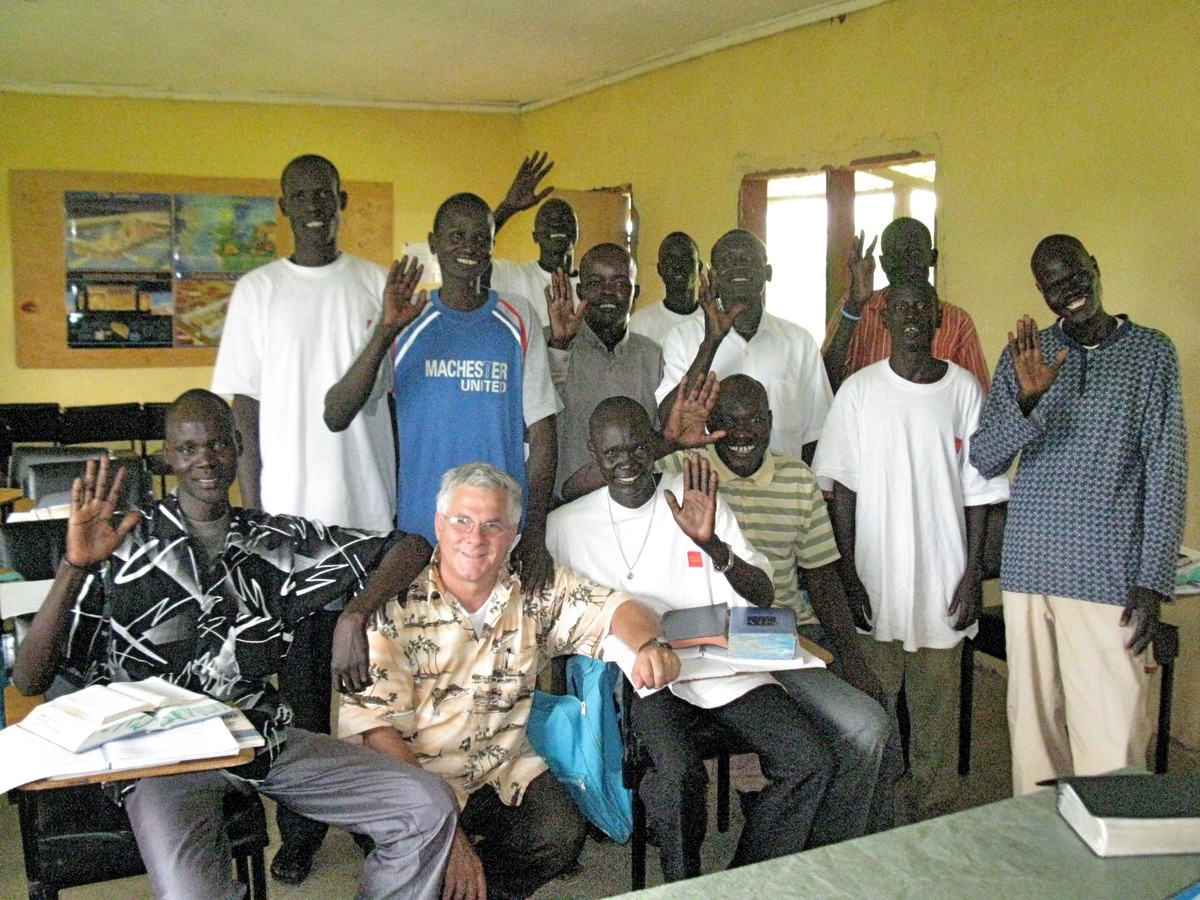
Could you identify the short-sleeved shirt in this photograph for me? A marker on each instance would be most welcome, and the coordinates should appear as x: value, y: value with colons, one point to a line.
x: 291, y: 333
x: 467, y: 383
x: 781, y: 355
x: 782, y: 513
x: 462, y: 701
x: 155, y: 608
x: 955, y: 340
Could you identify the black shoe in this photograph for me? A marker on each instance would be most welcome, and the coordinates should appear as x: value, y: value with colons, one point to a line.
x: 292, y: 863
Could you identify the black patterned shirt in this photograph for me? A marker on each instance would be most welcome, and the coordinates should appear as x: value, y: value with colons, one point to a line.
x: 155, y: 608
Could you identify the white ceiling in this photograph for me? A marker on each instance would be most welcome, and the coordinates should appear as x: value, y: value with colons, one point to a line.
x: 478, y: 55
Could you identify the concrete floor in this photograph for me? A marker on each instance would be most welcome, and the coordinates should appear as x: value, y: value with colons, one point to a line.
x: 604, y: 869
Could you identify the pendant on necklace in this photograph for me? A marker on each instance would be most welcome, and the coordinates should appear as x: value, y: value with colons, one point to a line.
x: 629, y: 575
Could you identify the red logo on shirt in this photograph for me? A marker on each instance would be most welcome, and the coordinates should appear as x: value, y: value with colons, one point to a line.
x: 695, y: 560
x: 958, y: 445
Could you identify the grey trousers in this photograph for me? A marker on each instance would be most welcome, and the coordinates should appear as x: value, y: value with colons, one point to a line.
x: 410, y: 814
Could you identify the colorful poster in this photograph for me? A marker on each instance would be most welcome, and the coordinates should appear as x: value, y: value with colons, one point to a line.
x: 117, y: 232
x: 157, y: 270
x: 222, y: 233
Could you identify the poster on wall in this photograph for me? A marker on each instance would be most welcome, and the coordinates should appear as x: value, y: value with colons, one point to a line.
x: 157, y: 270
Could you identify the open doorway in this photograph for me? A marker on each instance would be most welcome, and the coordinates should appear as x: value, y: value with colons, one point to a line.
x: 809, y: 221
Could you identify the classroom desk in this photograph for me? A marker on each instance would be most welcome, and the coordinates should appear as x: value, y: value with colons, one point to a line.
x: 1014, y: 848
x: 8, y: 496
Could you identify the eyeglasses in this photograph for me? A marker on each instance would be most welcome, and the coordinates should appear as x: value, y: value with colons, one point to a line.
x: 191, y: 450
x: 466, y: 525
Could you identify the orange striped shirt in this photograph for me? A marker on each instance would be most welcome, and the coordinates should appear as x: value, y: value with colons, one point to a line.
x: 955, y: 340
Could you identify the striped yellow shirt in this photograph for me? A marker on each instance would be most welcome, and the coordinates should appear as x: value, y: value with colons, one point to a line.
x: 782, y: 514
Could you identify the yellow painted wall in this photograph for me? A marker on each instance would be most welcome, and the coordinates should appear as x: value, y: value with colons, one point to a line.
x: 425, y: 155
x: 1044, y: 116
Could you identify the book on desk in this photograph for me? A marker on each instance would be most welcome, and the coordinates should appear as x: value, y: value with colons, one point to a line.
x: 1133, y: 815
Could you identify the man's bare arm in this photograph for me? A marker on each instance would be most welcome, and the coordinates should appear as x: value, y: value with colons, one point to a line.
x: 245, y: 420
x: 400, y: 566
x: 537, y: 568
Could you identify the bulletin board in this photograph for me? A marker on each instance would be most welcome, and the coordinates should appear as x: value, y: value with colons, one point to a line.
x: 43, y: 205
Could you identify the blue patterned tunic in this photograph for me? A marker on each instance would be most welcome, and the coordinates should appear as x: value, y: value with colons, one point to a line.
x: 1098, y: 504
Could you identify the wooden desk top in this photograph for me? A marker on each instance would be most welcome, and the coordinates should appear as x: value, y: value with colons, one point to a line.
x: 192, y: 765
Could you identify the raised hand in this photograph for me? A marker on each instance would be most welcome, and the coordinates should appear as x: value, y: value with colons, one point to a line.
x: 862, y: 274
x: 523, y: 193
x: 717, y: 321
x: 91, y: 537
x: 1034, y: 374
x: 564, y: 317
x: 697, y: 515
x: 686, y: 422
x: 400, y: 307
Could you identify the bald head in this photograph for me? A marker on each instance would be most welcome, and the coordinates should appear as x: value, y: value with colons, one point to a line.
x: 907, y: 250
x: 470, y: 204
x: 616, y: 411
x: 1063, y: 248
x: 739, y: 390
x: 199, y: 404
x: 741, y: 239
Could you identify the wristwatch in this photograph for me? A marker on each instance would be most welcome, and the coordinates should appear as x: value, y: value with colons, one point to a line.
x: 655, y: 642
x: 722, y: 569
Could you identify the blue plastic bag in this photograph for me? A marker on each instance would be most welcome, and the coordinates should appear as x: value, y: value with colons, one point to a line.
x: 579, y: 737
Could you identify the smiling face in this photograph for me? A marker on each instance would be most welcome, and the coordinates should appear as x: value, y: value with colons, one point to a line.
x: 743, y: 413
x: 201, y: 447
x: 679, y: 265
x: 470, y: 562
x: 462, y: 238
x: 312, y: 201
x: 606, y: 282
x: 1069, y: 280
x: 555, y: 229
x: 739, y: 263
x: 623, y: 445
x: 912, y: 315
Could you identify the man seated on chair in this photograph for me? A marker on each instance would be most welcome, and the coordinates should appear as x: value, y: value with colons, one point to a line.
x: 207, y: 596
x: 677, y: 545
x: 454, y: 661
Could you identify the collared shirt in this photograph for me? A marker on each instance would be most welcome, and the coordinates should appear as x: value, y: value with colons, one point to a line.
x: 656, y: 321
x: 585, y: 374
x: 781, y: 355
x: 462, y: 701
x: 782, y: 513
x: 156, y: 609
x: 955, y: 340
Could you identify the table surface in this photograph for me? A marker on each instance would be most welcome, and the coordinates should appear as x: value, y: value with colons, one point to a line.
x: 1018, y: 847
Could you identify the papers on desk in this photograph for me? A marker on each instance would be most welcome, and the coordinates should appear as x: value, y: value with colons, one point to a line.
x: 1134, y: 815
x: 707, y: 661
x: 28, y: 757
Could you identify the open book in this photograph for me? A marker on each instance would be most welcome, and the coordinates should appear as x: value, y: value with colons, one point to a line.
x: 101, y: 713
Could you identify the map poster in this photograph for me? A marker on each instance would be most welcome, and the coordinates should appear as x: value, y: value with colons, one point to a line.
x: 157, y: 270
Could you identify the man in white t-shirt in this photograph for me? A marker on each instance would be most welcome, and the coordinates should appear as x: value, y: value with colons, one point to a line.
x: 738, y: 336
x: 293, y: 327
x: 908, y: 509
x: 555, y: 231
x: 679, y: 269
x: 673, y: 546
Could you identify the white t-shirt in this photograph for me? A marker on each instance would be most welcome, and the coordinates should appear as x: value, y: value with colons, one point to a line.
x: 905, y: 449
x: 656, y: 321
x: 669, y: 571
x: 290, y: 334
x: 528, y: 280
x: 781, y: 355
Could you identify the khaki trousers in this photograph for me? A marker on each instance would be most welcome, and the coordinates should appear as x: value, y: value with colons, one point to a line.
x: 1077, y: 698
x: 930, y: 679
